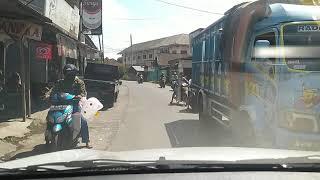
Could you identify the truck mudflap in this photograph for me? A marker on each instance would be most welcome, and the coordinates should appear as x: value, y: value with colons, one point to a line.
x: 234, y: 41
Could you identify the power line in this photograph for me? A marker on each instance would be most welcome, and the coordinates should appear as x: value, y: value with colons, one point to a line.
x: 134, y: 19
x: 190, y: 8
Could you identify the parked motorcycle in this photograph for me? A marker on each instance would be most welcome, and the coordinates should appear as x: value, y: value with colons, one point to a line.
x: 184, y: 93
x: 173, y: 83
x: 63, y: 122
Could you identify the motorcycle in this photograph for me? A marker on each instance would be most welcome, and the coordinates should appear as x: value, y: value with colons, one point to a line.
x: 183, y: 88
x: 162, y: 83
x: 140, y: 79
x: 173, y: 83
x: 63, y: 122
x: 191, y: 100
x: 184, y: 93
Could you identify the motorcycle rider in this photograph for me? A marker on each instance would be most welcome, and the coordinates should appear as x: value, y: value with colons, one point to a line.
x: 140, y: 77
x: 180, y: 89
x: 73, y: 85
x: 162, y: 78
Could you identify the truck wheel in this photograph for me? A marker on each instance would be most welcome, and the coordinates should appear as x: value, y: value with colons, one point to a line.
x: 242, y: 129
x: 194, y: 104
x: 203, y: 117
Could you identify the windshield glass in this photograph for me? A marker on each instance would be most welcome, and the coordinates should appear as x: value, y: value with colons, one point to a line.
x: 305, y: 38
x: 117, y: 82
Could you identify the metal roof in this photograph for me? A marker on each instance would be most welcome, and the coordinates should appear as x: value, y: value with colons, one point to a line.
x: 166, y: 41
x: 289, y: 12
x: 138, y: 68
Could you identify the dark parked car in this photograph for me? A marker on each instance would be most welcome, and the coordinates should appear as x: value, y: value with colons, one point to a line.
x: 102, y: 82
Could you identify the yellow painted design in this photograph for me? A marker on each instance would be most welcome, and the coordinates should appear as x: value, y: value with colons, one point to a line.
x: 309, y: 96
x: 310, y: 2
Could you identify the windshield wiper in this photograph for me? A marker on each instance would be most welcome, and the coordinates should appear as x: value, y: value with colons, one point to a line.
x: 87, y: 164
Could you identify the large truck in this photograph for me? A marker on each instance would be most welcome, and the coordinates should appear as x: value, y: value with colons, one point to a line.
x: 256, y: 71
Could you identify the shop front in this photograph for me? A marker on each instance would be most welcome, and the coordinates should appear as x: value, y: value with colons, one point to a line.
x: 19, y: 26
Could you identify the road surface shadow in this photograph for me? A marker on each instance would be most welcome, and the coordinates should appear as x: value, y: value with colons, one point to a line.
x: 187, y: 111
x: 175, y: 104
x: 192, y: 133
x: 38, y: 149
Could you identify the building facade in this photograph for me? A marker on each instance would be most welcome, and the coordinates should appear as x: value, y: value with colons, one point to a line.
x: 37, y: 38
x: 157, y: 52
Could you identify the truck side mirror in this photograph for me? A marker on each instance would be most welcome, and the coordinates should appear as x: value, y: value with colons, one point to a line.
x: 262, y: 51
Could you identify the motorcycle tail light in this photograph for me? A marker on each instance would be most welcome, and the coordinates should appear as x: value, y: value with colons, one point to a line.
x: 50, y: 119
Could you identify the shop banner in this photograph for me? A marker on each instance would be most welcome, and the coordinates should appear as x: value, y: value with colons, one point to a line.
x: 67, y: 47
x: 18, y: 28
x: 92, y: 17
x: 43, y: 51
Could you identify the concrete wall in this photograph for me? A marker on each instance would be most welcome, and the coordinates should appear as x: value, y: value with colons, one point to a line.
x: 146, y: 56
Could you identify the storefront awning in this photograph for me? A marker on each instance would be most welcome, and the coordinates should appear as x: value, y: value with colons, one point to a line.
x: 17, y: 10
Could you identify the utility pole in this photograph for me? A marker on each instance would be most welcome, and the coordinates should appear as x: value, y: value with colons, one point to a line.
x: 131, y: 49
x: 28, y: 82
x: 23, y: 79
x: 100, y: 47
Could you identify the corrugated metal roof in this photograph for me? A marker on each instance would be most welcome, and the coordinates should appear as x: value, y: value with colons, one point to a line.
x: 176, y: 39
x: 138, y: 68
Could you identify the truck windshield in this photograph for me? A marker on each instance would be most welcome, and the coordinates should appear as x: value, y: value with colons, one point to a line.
x: 301, y: 44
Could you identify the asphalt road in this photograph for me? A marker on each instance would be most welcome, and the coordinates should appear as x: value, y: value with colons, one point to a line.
x: 150, y: 122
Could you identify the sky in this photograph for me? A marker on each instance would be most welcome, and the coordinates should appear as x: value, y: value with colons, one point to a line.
x: 152, y: 19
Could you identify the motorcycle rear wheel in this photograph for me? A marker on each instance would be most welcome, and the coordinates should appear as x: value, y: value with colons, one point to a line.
x: 56, y: 143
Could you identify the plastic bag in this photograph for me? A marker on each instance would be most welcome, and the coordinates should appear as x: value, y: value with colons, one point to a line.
x: 90, y: 107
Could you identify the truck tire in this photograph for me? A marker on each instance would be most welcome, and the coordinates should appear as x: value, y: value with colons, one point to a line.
x: 56, y: 143
x: 242, y: 129
x: 203, y: 117
x: 194, y: 104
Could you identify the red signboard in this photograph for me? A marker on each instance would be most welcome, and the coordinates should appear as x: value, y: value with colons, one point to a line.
x: 44, y: 51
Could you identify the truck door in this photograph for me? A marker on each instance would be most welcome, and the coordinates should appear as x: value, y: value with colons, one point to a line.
x: 261, y: 80
x: 218, y: 64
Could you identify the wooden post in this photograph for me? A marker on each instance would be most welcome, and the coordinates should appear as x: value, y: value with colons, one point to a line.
x: 28, y: 82
x: 23, y: 89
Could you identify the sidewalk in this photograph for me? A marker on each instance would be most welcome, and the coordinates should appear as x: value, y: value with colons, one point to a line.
x: 14, y: 131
